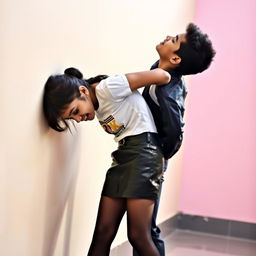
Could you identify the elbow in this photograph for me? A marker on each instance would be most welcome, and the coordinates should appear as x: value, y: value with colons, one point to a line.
x: 166, y: 77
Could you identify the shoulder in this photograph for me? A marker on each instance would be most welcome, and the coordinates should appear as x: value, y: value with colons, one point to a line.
x: 175, y: 89
x: 116, y: 87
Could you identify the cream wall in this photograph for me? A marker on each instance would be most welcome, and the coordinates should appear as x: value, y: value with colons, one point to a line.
x: 49, y: 182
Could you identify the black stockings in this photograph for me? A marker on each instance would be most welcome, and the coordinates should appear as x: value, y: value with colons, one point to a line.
x: 139, y: 217
x: 110, y: 213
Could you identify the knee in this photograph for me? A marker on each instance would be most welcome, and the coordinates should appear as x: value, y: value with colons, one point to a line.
x: 135, y: 237
x: 132, y: 237
x: 104, y: 232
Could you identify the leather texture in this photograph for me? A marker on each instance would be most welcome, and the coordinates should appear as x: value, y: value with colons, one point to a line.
x: 137, y: 168
x: 168, y: 116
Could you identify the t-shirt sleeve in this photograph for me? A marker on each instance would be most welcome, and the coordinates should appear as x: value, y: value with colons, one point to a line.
x: 118, y: 87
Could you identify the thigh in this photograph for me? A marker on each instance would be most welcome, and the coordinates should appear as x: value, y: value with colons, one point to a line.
x: 110, y: 213
x: 139, y: 214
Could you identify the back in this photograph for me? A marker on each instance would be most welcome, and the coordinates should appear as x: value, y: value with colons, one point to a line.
x: 168, y: 111
x: 122, y: 112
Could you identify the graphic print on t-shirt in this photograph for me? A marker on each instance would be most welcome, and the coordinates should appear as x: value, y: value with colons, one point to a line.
x: 110, y: 126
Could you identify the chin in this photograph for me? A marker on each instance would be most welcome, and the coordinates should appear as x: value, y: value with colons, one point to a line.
x: 157, y: 47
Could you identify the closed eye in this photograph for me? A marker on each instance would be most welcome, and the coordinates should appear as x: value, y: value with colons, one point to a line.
x: 75, y: 112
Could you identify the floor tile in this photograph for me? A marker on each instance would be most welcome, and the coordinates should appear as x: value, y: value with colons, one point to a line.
x: 191, y: 243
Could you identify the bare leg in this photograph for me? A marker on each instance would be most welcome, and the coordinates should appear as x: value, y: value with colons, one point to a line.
x: 139, y: 217
x: 110, y: 213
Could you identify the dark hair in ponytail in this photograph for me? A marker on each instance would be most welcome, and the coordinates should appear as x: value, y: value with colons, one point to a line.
x: 59, y: 92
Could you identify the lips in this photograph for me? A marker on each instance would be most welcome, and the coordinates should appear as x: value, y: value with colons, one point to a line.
x: 84, y: 117
x: 165, y: 40
x: 162, y: 43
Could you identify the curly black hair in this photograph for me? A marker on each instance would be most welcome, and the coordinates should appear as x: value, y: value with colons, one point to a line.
x: 196, y: 53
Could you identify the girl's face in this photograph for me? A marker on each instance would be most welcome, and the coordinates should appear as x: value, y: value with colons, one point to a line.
x: 80, y: 109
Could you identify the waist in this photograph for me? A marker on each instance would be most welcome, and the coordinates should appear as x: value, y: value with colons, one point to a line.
x: 146, y: 137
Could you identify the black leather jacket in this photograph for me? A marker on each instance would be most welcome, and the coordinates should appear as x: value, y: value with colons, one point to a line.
x: 168, y: 116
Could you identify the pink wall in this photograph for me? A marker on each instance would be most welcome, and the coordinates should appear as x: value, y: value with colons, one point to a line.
x: 219, y: 171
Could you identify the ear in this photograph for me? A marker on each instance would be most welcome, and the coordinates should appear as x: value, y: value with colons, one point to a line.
x: 175, y: 59
x: 83, y: 90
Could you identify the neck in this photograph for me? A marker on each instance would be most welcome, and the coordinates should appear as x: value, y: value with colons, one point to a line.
x: 93, y: 96
x: 165, y: 65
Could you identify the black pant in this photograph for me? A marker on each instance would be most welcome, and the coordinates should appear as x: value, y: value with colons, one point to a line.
x: 155, y: 230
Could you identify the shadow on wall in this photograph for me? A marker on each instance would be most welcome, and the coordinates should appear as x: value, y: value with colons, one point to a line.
x: 63, y: 171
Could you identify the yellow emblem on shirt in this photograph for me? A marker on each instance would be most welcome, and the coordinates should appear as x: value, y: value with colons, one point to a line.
x: 110, y: 126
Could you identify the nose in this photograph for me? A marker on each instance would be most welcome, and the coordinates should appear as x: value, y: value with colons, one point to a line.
x: 78, y: 118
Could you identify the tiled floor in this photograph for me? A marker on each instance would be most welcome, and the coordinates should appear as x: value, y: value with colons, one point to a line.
x: 188, y: 243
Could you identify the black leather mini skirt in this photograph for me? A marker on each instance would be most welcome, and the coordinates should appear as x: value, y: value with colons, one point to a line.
x: 137, y: 168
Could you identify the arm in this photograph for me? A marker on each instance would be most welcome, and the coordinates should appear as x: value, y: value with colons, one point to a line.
x: 145, y: 78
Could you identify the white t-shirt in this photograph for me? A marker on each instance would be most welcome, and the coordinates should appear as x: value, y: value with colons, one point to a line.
x: 152, y: 93
x: 122, y: 112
